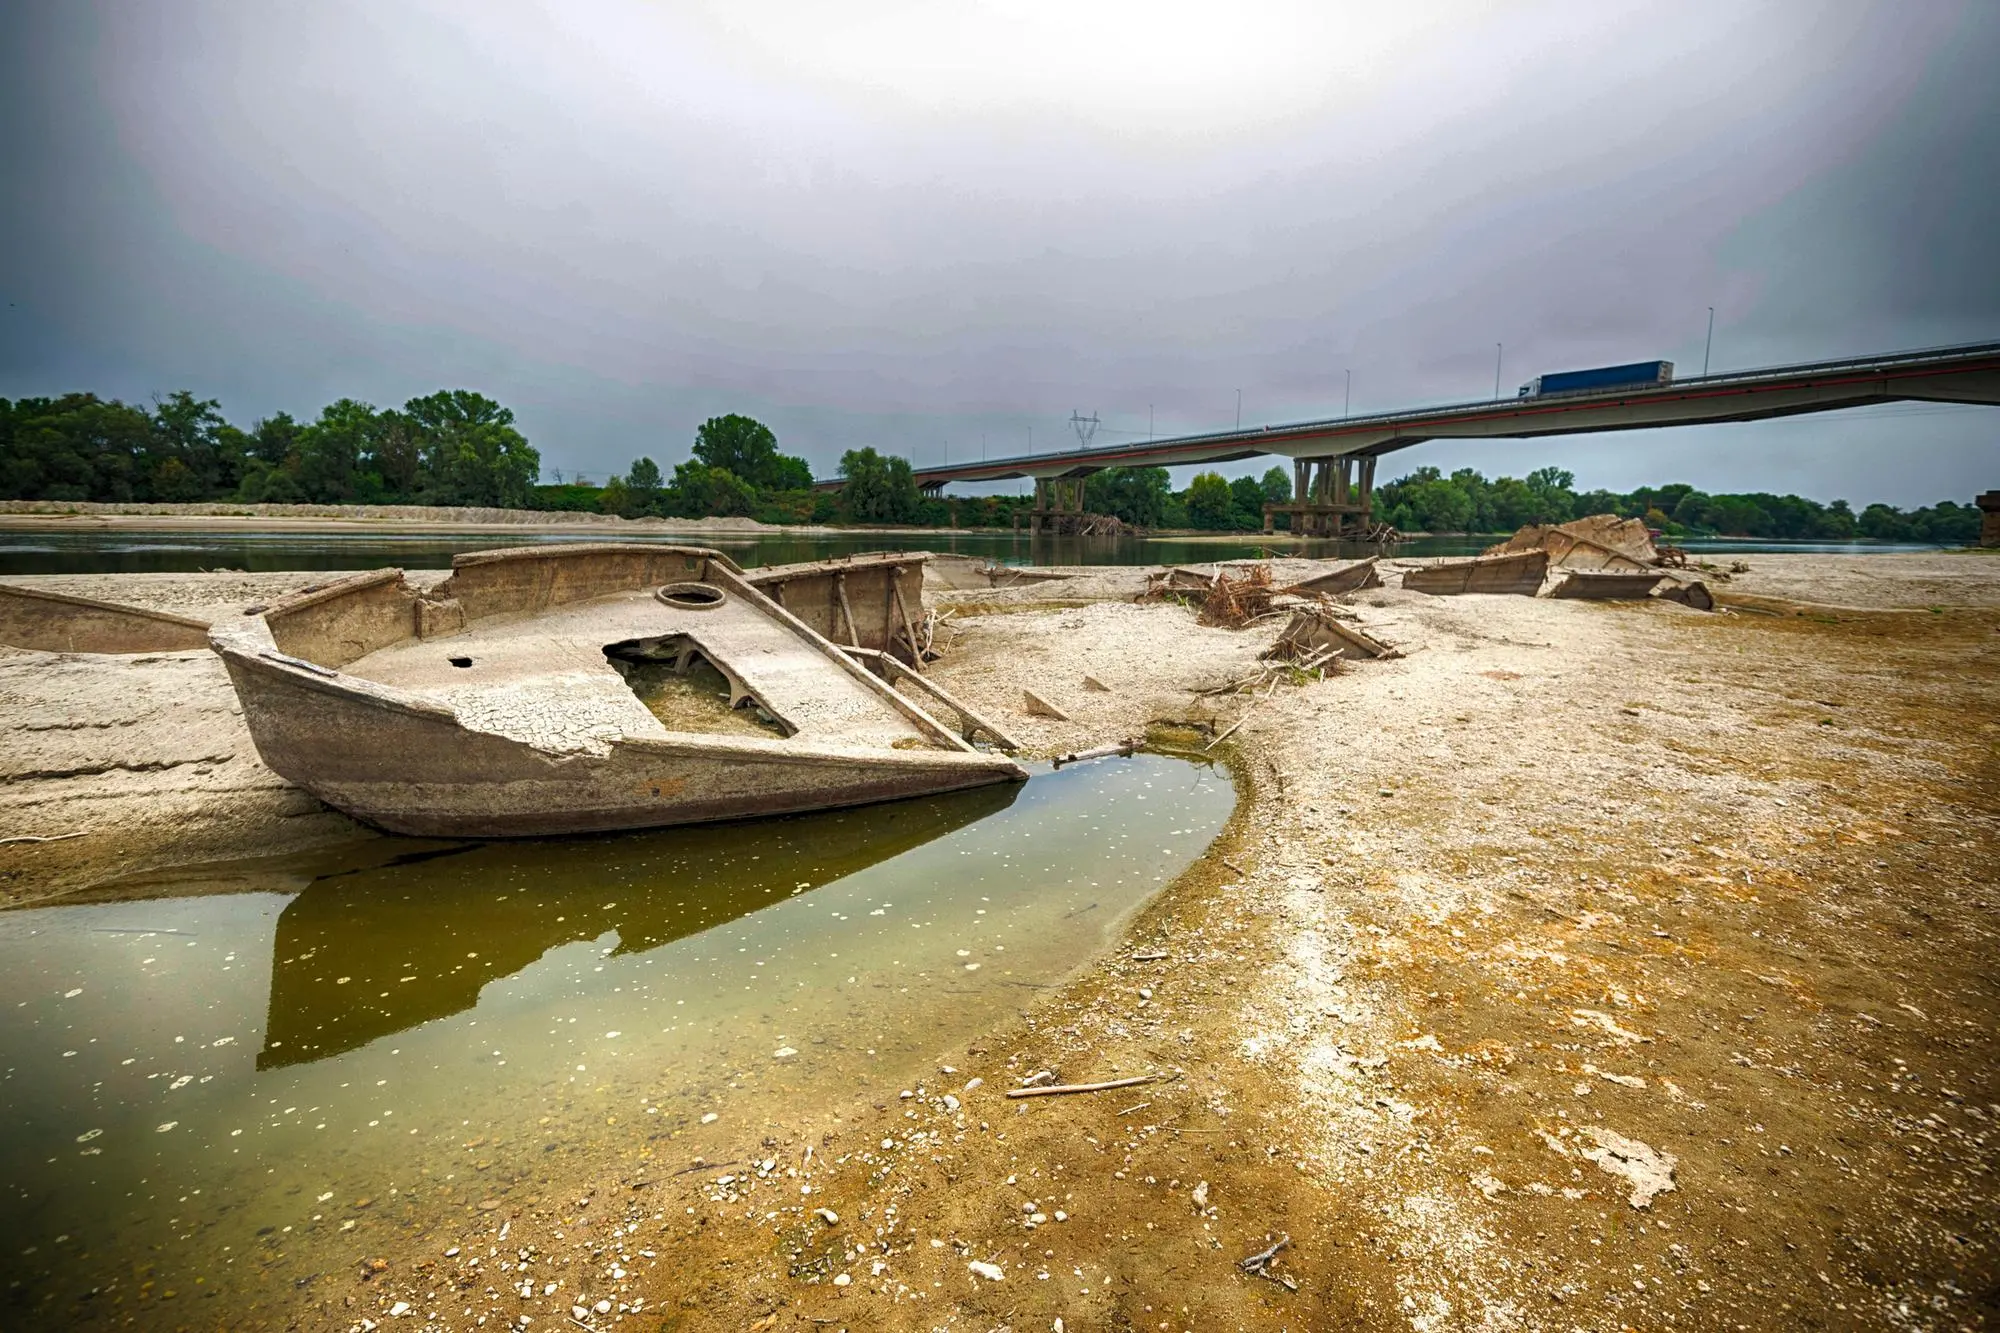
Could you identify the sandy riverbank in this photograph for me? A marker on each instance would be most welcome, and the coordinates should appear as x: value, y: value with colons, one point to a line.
x: 1498, y: 929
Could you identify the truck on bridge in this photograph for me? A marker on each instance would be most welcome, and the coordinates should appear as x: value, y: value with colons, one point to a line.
x: 1602, y: 377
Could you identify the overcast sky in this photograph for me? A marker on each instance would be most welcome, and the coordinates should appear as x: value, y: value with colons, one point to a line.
x: 922, y: 225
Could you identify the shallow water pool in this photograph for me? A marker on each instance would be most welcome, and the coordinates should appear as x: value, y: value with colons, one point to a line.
x: 221, y: 1092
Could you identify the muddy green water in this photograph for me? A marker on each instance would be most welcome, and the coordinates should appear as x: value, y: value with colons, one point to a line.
x: 204, y: 1084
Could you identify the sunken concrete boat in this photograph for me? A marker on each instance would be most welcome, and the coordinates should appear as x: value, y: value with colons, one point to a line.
x: 570, y: 689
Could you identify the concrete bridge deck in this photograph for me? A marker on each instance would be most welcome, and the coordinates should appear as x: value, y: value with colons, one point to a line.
x: 1334, y: 458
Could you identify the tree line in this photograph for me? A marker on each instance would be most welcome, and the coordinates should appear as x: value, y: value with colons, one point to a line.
x: 1428, y: 501
x: 456, y: 447
x: 453, y: 447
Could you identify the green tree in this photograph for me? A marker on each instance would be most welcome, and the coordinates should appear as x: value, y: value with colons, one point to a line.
x: 644, y: 476
x: 274, y: 439
x: 643, y: 486
x: 1210, y: 504
x: 1246, y: 496
x: 331, y: 450
x: 878, y: 488
x: 1883, y: 523
x: 701, y: 491
x: 1277, y: 485
x: 1135, y: 495
x: 187, y: 460
x: 471, y: 453
x: 397, y: 455
x: 1439, y: 506
x: 748, y: 449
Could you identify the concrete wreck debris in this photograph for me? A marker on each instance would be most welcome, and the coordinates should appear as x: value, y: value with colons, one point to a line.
x: 544, y: 690
x: 1314, y: 634
x: 1352, y: 576
x: 1598, y: 542
x: 1520, y: 573
x: 1602, y: 557
x: 54, y: 622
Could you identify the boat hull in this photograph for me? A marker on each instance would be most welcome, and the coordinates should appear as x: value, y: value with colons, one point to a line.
x: 407, y: 765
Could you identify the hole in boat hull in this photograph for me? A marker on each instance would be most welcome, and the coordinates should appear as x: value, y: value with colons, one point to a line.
x: 688, y: 691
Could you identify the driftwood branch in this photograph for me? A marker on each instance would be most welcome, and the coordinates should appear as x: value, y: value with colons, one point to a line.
x: 1122, y: 748
x: 1063, y: 1089
x: 50, y: 837
x: 1259, y: 1264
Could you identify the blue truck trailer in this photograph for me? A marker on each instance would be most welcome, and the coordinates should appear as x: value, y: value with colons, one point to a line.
x: 1636, y: 375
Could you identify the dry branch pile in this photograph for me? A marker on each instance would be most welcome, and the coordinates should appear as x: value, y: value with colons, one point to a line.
x: 1224, y: 600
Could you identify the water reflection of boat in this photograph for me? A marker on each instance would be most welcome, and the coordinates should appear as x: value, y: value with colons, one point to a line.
x: 363, y: 954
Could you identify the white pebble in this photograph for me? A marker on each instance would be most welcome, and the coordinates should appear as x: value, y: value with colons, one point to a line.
x: 991, y: 1272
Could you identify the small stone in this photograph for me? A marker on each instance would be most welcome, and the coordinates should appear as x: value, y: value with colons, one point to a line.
x: 578, y: 1312
x: 1061, y: 1216
x: 828, y: 1216
x: 710, y: 1118
x: 972, y: 1083
x: 905, y: 1095
x: 602, y: 1307
x: 783, y: 1053
x: 991, y: 1272
x: 841, y: 1280
x: 1201, y: 1195
x: 950, y: 1102
x: 399, y: 1309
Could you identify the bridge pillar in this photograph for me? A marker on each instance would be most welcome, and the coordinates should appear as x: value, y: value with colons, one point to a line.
x: 1058, y: 504
x: 1330, y: 496
x: 1989, y: 518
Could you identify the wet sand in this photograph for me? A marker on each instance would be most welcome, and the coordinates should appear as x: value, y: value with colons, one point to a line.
x: 1590, y: 966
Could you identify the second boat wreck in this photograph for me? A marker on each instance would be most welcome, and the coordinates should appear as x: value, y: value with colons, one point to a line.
x: 585, y: 688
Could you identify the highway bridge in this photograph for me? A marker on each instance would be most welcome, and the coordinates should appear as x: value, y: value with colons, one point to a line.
x: 1333, y: 460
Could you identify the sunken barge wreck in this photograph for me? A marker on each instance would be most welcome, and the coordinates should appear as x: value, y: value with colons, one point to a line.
x: 572, y: 689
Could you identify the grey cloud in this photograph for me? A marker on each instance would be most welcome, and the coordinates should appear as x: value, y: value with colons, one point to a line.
x: 619, y: 221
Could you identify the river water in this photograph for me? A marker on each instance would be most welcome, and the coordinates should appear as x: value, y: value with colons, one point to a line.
x: 102, y: 552
x: 222, y: 1086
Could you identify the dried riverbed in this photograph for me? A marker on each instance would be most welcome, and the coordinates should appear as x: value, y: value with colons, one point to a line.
x: 1572, y: 903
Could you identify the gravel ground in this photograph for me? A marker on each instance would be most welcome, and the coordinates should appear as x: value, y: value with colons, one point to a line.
x: 1590, y: 966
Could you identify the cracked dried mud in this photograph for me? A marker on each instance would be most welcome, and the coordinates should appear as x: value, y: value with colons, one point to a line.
x: 1592, y: 966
